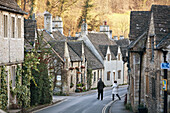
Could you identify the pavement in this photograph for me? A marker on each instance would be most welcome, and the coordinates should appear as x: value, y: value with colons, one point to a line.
x: 119, y: 107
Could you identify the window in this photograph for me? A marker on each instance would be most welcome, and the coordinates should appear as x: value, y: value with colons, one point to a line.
x: 152, y: 48
x: 94, y: 76
x: 119, y: 74
x: 108, y: 57
x: 119, y: 56
x: 13, y: 27
x: 66, y: 63
x: 13, y: 76
x: 100, y: 73
x: 147, y: 85
x: 113, y: 76
x: 5, y: 26
x: 108, y: 75
x: 153, y: 88
x: 19, y: 27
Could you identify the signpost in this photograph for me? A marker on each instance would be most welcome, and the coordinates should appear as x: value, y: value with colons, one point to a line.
x: 165, y: 65
x: 164, y: 84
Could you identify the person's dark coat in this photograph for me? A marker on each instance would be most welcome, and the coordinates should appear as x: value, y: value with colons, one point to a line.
x: 100, y: 85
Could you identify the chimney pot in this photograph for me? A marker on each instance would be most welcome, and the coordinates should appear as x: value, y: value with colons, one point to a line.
x: 105, y: 22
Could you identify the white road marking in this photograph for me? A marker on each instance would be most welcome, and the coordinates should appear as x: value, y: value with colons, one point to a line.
x: 104, y: 109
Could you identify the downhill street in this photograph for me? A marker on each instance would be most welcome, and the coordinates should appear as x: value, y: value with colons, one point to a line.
x: 83, y: 104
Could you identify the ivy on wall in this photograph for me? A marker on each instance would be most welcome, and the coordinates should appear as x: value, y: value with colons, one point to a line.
x: 89, y: 78
x: 3, y: 88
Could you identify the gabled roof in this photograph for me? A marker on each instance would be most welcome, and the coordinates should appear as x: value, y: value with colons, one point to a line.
x: 139, y: 23
x: 114, y: 50
x: 92, y: 61
x: 139, y: 43
x: 73, y: 56
x: 58, y: 46
x: 76, y: 47
x: 123, y: 42
x: 11, y: 6
x: 124, y: 50
x: 99, y: 40
x: 161, y: 17
x: 165, y: 42
x: 58, y: 36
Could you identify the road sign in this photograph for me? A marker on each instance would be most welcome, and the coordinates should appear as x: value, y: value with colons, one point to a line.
x: 165, y: 65
x: 164, y: 84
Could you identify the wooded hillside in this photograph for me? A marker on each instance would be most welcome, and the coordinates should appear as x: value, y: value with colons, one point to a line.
x: 115, y: 12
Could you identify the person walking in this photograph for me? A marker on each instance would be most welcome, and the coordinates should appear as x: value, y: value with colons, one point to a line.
x: 100, y: 86
x: 115, y: 90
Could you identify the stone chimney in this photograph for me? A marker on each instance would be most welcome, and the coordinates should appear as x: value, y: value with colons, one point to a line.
x: 84, y: 30
x: 105, y: 29
x: 57, y: 24
x: 121, y: 37
x: 48, y: 21
x: 115, y: 38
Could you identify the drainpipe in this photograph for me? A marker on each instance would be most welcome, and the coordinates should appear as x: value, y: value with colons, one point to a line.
x: 165, y: 77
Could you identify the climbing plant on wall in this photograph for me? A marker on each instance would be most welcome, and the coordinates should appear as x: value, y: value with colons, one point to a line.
x: 3, y: 90
x: 89, y: 78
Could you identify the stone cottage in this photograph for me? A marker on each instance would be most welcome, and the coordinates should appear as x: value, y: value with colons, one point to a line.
x: 11, y: 41
x: 147, y: 31
x: 107, y: 52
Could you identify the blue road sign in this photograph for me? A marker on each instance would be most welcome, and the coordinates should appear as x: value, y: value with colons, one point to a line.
x: 165, y: 65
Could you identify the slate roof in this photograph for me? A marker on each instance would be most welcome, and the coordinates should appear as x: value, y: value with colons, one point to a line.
x: 58, y: 36
x: 140, y: 43
x: 73, y: 55
x: 76, y: 47
x: 165, y: 42
x: 11, y: 6
x: 114, y: 50
x: 58, y: 46
x: 92, y: 61
x: 29, y: 33
x: 139, y: 23
x: 45, y: 35
x: 122, y: 42
x: 98, y: 40
x: 161, y: 15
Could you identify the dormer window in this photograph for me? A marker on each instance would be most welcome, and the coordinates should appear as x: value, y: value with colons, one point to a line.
x: 108, y: 57
x: 119, y: 56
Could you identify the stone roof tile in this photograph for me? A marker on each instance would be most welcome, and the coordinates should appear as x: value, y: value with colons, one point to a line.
x: 10, y: 5
x: 139, y: 23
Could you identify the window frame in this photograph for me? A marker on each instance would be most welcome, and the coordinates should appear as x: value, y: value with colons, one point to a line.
x: 119, y: 74
x: 108, y: 76
x: 19, y: 27
x: 12, y: 27
x: 5, y: 25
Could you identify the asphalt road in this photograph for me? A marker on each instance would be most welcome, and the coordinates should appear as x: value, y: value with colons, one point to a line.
x: 83, y: 104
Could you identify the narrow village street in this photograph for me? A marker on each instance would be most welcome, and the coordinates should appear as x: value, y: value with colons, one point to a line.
x: 84, y: 104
